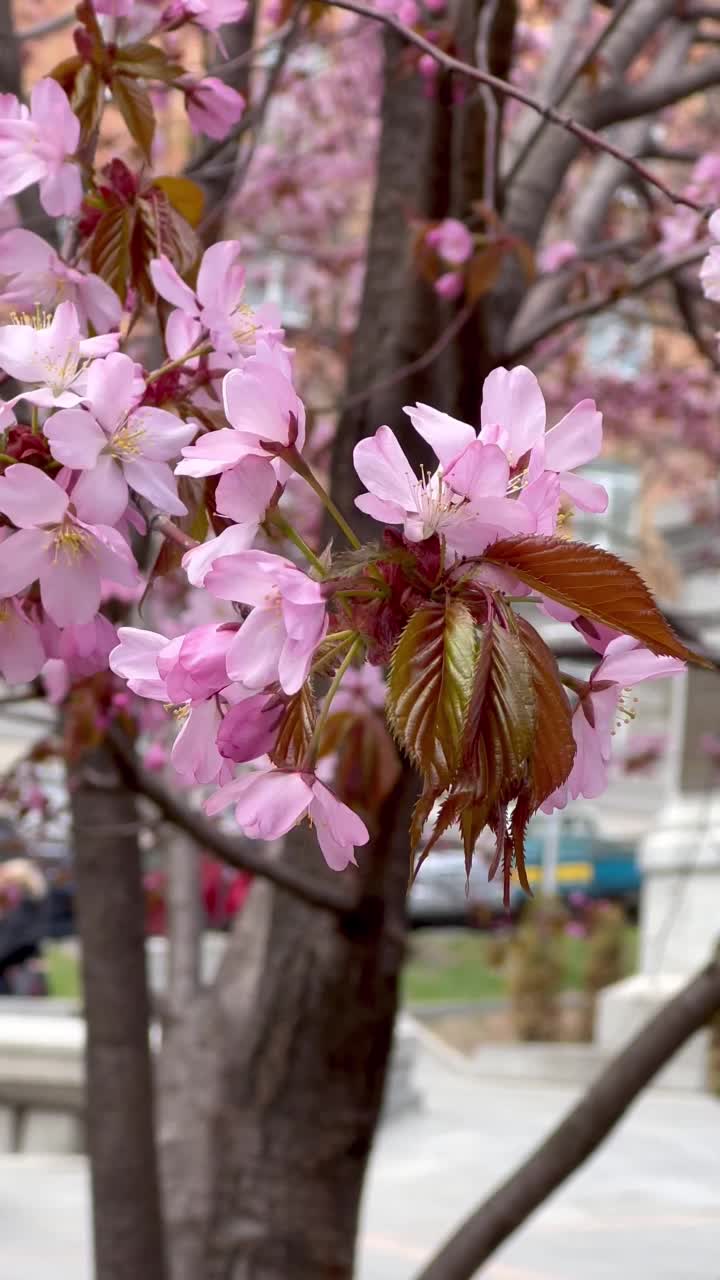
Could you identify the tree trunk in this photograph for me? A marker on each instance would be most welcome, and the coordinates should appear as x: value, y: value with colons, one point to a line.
x: 184, y: 924
x: 127, y: 1220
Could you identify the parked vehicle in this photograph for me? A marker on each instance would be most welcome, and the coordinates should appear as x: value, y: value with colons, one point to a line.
x: 587, y: 862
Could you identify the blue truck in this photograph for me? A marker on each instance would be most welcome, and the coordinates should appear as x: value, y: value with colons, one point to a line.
x: 587, y: 863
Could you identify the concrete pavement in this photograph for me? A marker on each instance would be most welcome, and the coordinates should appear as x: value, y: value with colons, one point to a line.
x: 647, y: 1207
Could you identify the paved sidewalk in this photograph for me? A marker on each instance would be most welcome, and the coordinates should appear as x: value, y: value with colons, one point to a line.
x: 647, y: 1207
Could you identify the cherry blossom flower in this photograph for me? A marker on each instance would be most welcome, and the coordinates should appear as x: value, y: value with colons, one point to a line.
x: 249, y: 729
x: 116, y: 445
x: 266, y: 416
x: 35, y: 144
x: 288, y: 620
x: 270, y: 802
x: 469, y: 516
x: 53, y: 354
x: 35, y: 275
x: 513, y: 418
x: 452, y: 241
x: 216, y: 305
x: 69, y: 557
x: 625, y: 664
x: 556, y: 255
x: 213, y: 107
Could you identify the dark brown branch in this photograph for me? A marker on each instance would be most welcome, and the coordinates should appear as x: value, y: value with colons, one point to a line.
x: 580, y: 1133
x: 586, y: 135
x: 635, y: 283
x: 684, y: 302
x: 238, y: 854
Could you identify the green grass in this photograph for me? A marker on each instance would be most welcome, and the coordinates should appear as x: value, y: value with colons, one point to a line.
x: 446, y: 965
x: 63, y: 971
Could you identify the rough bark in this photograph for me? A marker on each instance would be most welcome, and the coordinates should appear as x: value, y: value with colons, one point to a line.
x: 183, y: 923
x: 580, y: 1133
x: 127, y: 1220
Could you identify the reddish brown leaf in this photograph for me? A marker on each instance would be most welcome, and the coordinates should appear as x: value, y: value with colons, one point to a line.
x: 296, y: 729
x: 500, y: 730
x: 147, y: 61
x: 554, y: 750
x: 134, y: 104
x: 483, y: 270
x: 595, y: 583
x: 110, y: 248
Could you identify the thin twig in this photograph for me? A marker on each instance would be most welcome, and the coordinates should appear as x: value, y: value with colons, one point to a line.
x: 237, y: 853
x: 253, y: 52
x: 492, y: 114
x: 415, y: 366
x: 634, y: 283
x: 588, y: 136
x: 165, y: 526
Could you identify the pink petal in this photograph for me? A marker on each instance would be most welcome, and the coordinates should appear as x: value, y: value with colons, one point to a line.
x: 171, y: 287
x: 586, y: 494
x: 627, y: 663
x: 163, y: 433
x: 23, y: 556
x: 446, y: 436
x: 113, y: 555
x: 576, y: 439
x: 156, y: 482
x: 70, y: 587
x: 22, y: 250
x: 481, y: 469
x: 213, y: 453
x: 100, y: 303
x: 249, y: 729
x: 198, y: 562
x: 219, y: 282
x: 28, y: 497
x: 22, y: 655
x: 260, y: 403
x: 195, y: 755
x: 273, y: 805
x: 50, y: 110
x: 101, y: 494
x: 182, y: 333
x: 385, y: 512
x: 254, y: 654
x: 75, y: 438
x: 61, y: 193
x: 244, y: 492
x: 383, y: 468
x: 512, y: 399
x: 110, y: 388
x: 472, y: 531
x: 18, y: 352
x: 135, y: 660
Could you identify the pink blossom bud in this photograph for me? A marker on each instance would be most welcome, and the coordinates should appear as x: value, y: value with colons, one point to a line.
x: 408, y: 12
x: 155, y: 758
x: 427, y: 66
x: 449, y: 285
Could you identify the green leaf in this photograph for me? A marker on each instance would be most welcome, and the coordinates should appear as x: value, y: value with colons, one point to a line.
x: 185, y: 196
x: 429, y: 687
x: 133, y: 103
x: 110, y: 248
x: 596, y: 584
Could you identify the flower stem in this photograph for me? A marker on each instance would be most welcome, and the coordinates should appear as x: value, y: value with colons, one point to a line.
x: 298, y: 464
x: 34, y: 420
x: 7, y: 459
x: 203, y: 350
x: 314, y: 742
x: 285, y: 527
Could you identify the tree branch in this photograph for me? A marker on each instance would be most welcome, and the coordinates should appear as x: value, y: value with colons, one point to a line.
x: 580, y: 1133
x: 46, y: 28
x: 586, y: 135
x: 628, y: 104
x: 635, y: 283
x: 328, y: 897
